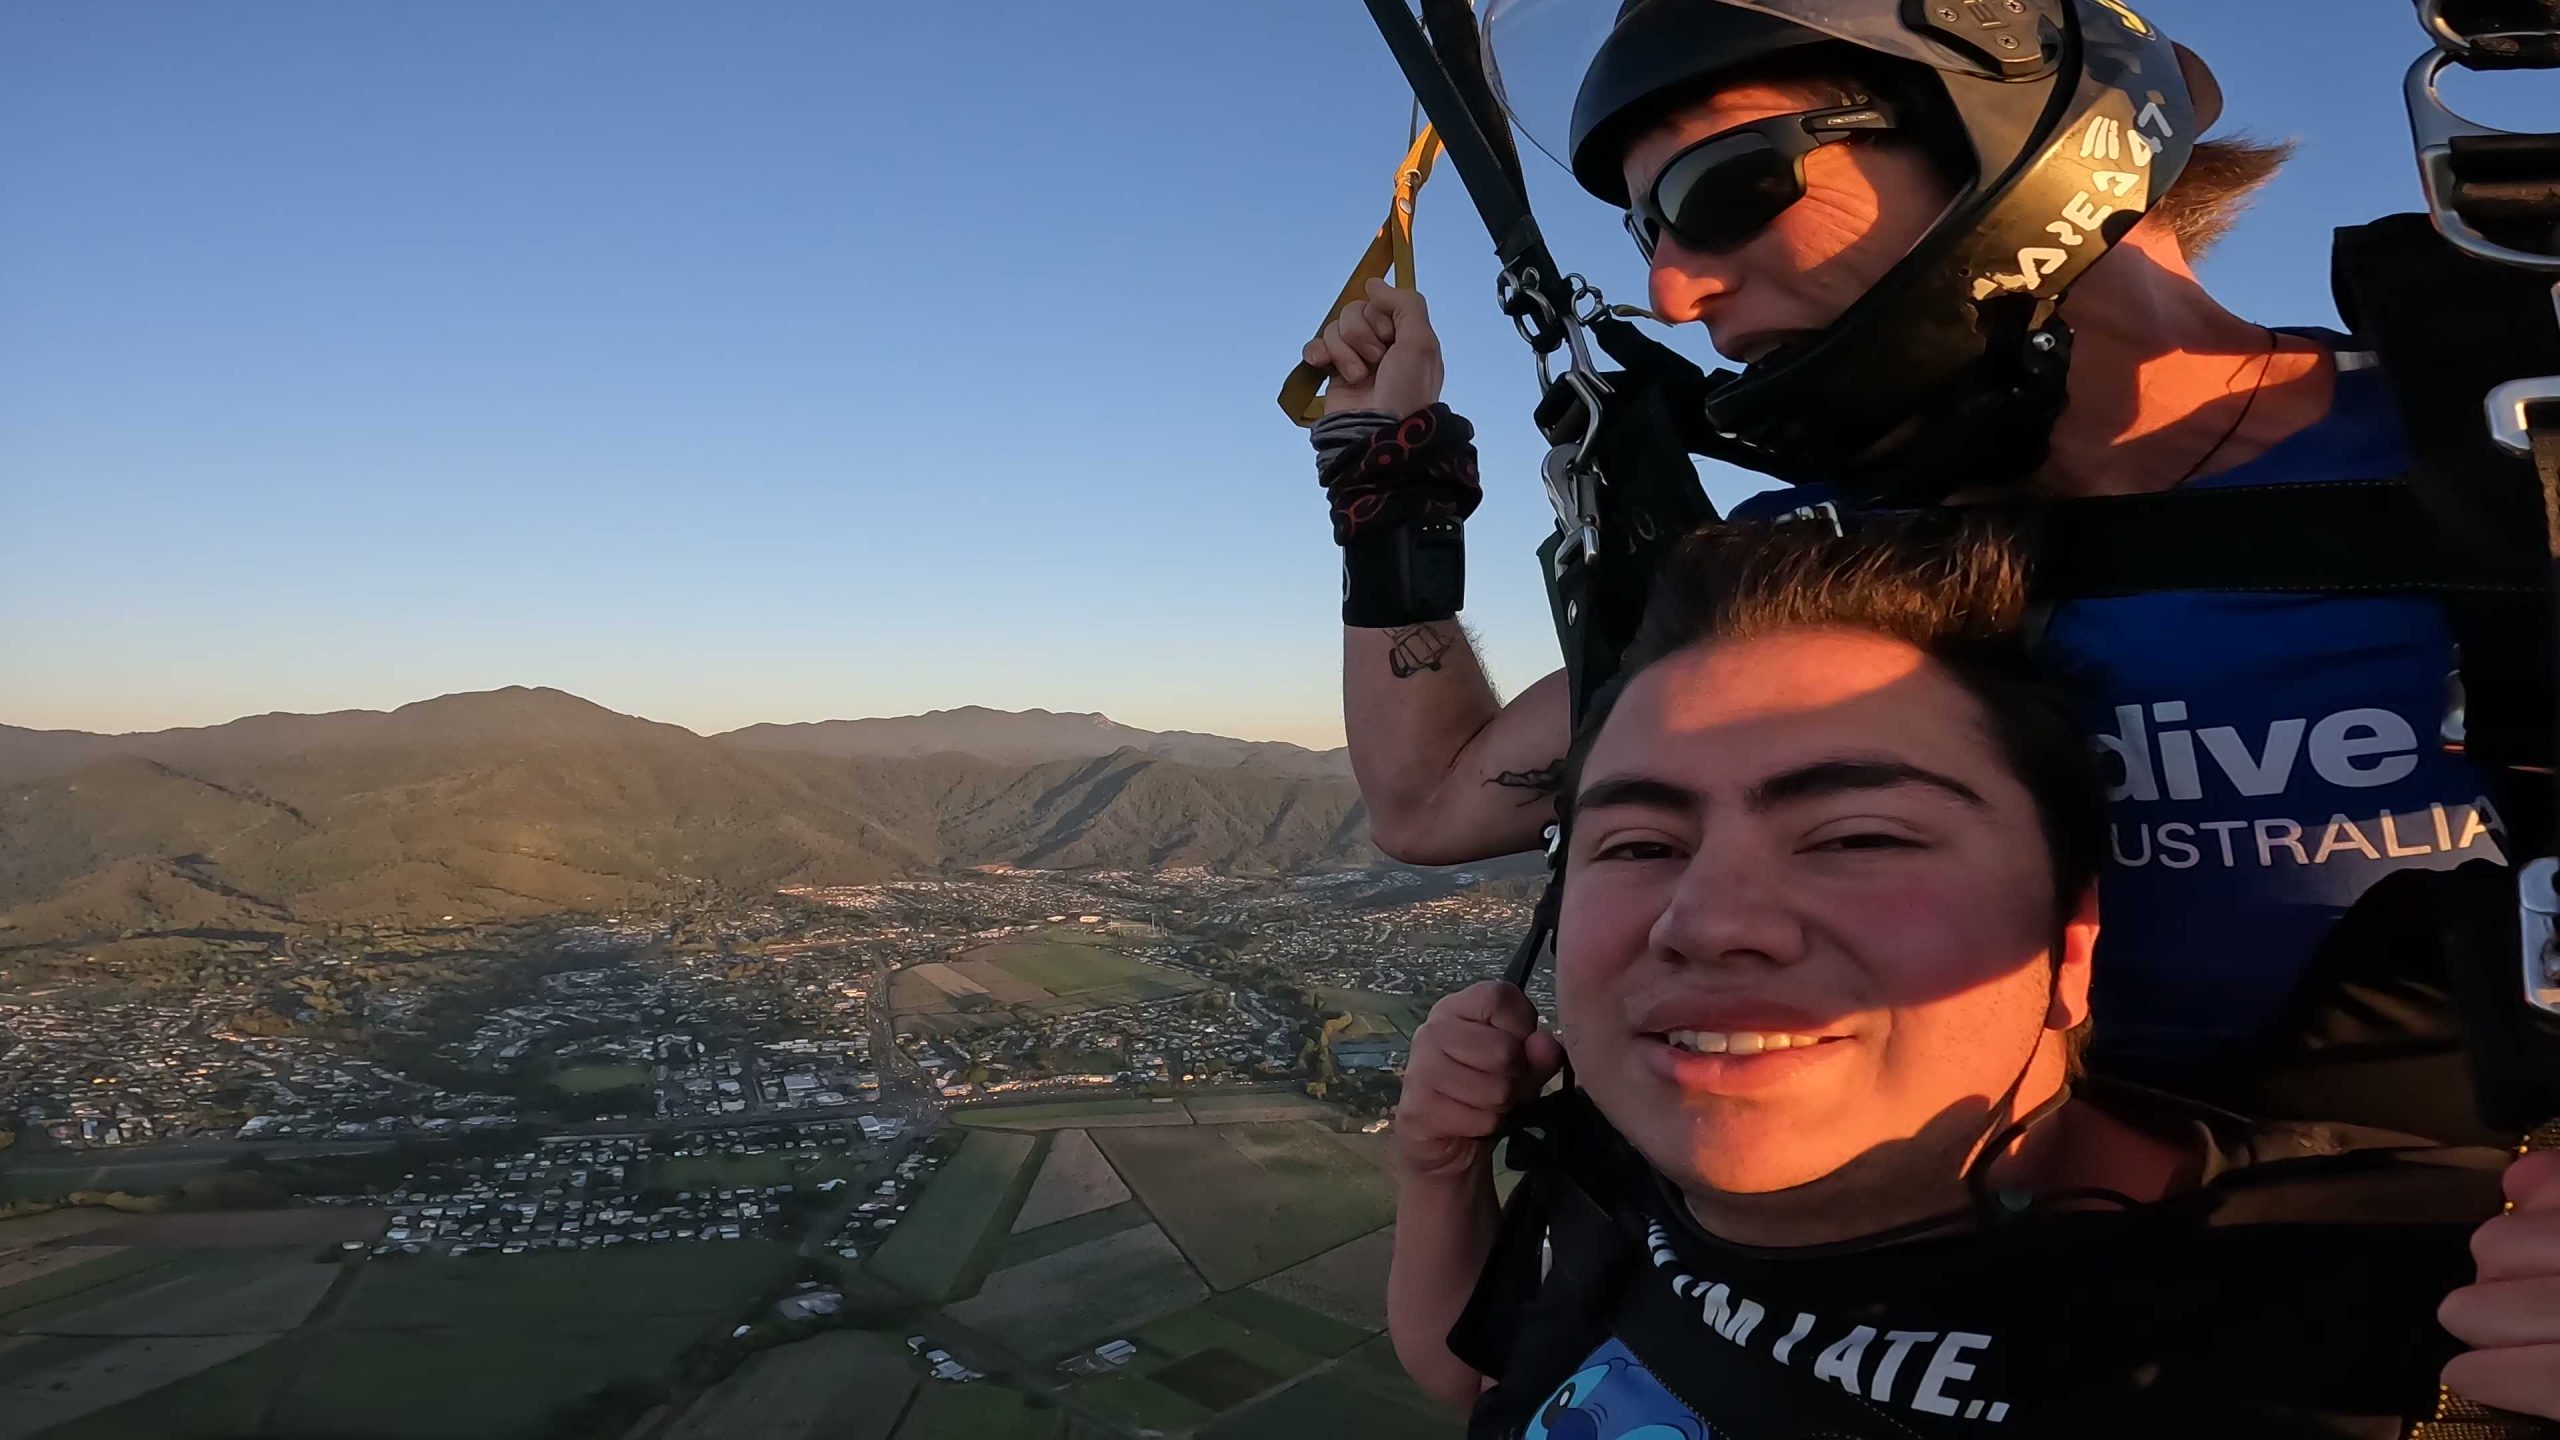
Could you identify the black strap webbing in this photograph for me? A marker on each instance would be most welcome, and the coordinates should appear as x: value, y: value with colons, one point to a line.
x: 2334, y: 537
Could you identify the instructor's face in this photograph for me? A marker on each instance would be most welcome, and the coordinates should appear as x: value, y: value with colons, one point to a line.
x: 1807, y: 914
x: 1866, y: 203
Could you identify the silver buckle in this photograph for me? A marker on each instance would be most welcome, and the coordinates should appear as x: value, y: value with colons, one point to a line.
x: 2511, y: 410
x: 2538, y: 902
x: 2435, y: 126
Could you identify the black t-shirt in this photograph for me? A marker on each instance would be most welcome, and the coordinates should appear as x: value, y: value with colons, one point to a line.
x: 2292, y: 1294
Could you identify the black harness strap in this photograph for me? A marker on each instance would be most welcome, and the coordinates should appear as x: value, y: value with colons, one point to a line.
x: 2333, y: 537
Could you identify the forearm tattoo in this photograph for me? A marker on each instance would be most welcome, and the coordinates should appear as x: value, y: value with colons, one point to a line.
x: 1416, y: 648
x: 1541, y: 783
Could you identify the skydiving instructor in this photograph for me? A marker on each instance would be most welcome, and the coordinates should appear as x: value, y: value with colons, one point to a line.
x: 1823, y: 187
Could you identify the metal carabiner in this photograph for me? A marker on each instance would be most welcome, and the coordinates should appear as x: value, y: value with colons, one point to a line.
x: 2435, y: 126
x: 2472, y: 50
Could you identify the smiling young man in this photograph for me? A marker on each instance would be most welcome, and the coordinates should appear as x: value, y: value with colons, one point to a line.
x: 1824, y: 948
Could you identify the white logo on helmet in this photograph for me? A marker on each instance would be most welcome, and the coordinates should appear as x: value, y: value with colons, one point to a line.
x: 2106, y: 141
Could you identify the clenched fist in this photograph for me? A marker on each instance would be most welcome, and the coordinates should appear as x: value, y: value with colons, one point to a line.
x: 1381, y: 353
x: 1481, y: 1053
x: 2511, y: 1315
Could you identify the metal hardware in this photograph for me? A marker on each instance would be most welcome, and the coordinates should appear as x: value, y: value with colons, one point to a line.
x: 2470, y: 49
x: 2539, y: 904
x: 2511, y: 410
x: 2435, y: 126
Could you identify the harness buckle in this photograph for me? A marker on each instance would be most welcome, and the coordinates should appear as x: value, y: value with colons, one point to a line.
x: 2511, y: 408
x: 2538, y: 905
x: 2437, y: 128
x: 1824, y: 513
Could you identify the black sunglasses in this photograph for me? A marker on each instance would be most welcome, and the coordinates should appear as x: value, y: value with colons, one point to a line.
x: 1728, y: 187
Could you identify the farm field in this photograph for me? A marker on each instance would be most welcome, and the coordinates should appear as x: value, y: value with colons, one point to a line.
x: 1040, y: 976
x: 1246, y: 1201
x: 1364, y: 1396
x: 1074, y: 1180
x: 1077, y: 1297
x: 93, y: 1272
x: 1198, y: 1362
x: 50, y: 1182
x: 586, y: 1079
x: 45, y: 1382
x: 535, y: 1333
x: 201, y: 1292
x: 1347, y: 1282
x: 1102, y: 1110
x: 1386, y: 1014
x: 943, y: 1248
x: 978, y: 1412
x: 688, y: 1280
x: 1105, y: 1112
x: 1239, y: 1107
x: 841, y: 1385
x: 19, y: 1266
x: 315, y: 1226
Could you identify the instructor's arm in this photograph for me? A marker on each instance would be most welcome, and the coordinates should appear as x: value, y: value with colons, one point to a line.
x: 1450, y: 774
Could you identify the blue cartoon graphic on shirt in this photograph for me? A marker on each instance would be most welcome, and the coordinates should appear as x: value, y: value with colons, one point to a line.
x: 1614, y: 1398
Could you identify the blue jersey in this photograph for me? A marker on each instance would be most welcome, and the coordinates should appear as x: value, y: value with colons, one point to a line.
x: 2269, y: 758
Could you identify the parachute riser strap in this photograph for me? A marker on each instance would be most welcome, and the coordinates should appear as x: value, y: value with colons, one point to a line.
x: 1389, y: 252
x: 1466, y: 134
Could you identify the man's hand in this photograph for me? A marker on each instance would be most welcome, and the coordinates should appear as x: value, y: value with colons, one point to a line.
x: 1480, y: 1053
x: 1381, y: 353
x: 2511, y: 1315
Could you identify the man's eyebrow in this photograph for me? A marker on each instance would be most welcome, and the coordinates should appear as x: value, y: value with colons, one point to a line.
x: 1640, y: 790
x: 1831, y: 777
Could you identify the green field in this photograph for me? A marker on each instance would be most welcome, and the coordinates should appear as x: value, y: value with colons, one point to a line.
x: 1070, y: 1113
x: 1245, y: 1201
x: 52, y: 1183
x: 587, y: 1079
x: 1214, y: 1356
x: 1143, y: 1402
x: 995, y: 983
x: 89, y: 1277
x: 1206, y: 1107
x: 1397, y: 1014
x: 948, y: 1240
x: 979, y: 1412
x: 839, y: 1385
x: 442, y: 1349
x: 1069, y: 969
x: 1364, y: 1396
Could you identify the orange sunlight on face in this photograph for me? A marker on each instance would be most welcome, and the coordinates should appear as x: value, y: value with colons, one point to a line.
x: 1866, y: 204
x: 1807, y: 913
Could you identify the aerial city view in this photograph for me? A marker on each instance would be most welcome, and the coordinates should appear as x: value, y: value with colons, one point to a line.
x: 968, y: 1149
x: 829, y: 721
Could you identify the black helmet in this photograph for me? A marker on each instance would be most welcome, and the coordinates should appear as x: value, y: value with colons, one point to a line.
x: 2074, y: 117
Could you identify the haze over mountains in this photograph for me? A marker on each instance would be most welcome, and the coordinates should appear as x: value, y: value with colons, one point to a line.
x: 532, y: 801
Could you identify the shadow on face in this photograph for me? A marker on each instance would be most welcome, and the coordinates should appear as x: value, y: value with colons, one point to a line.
x: 1808, y: 931
x: 1866, y: 204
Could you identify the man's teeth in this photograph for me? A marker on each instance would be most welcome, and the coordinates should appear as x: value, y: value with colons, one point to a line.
x: 1737, y: 1042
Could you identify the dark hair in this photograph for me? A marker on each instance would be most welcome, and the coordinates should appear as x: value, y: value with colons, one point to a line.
x: 1953, y: 588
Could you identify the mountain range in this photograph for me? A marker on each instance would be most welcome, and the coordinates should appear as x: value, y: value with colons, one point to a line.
x: 519, y: 802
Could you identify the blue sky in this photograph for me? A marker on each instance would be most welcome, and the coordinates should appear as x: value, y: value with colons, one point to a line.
x: 781, y: 361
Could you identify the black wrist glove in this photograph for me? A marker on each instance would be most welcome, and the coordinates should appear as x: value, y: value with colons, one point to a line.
x: 1399, y: 504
